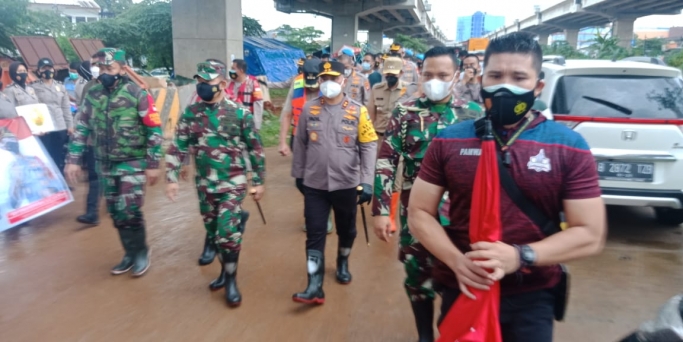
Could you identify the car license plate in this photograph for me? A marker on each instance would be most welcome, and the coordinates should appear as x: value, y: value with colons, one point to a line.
x: 631, y: 172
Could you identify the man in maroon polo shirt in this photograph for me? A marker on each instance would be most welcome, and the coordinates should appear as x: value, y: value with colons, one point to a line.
x: 555, y: 171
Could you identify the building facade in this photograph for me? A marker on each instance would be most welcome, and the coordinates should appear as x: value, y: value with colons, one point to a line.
x: 477, y: 25
x: 78, y: 11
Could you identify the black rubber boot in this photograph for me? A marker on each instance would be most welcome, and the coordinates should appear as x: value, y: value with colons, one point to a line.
x: 209, y: 253
x: 313, y: 294
x: 232, y: 294
x: 91, y: 216
x: 141, y: 260
x: 219, y: 282
x: 244, y: 217
x: 343, y: 275
x: 424, y: 319
x: 127, y: 262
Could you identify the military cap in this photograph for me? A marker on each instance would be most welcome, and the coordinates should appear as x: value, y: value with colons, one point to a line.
x: 210, y: 70
x: 392, y: 65
x: 45, y: 62
x: 111, y: 55
x: 332, y: 68
x: 311, y: 68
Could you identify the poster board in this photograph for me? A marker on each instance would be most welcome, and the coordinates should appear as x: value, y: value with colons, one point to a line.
x: 30, y: 183
x: 37, y: 118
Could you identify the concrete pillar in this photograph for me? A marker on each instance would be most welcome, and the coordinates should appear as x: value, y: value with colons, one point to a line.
x: 572, y: 37
x: 344, y: 31
x: 205, y: 29
x: 622, y: 28
x: 543, y: 39
x: 375, y: 39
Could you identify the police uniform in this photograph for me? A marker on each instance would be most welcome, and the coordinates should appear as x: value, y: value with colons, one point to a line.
x: 126, y: 132
x: 54, y: 95
x: 411, y: 129
x: 21, y: 96
x: 357, y: 87
x: 7, y: 109
x: 334, y: 151
x: 219, y: 134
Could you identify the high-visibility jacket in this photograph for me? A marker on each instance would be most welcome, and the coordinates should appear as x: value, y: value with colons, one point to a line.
x: 298, y: 100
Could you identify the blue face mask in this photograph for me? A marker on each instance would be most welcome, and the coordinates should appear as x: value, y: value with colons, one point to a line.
x: 73, y: 75
x: 366, y: 66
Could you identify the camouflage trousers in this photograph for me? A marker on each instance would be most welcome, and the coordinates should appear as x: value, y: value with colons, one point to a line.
x: 398, y: 180
x: 417, y: 261
x: 124, y: 192
x: 221, y: 213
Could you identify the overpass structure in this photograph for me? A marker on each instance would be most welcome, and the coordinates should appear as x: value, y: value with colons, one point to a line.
x: 570, y: 16
x: 378, y: 17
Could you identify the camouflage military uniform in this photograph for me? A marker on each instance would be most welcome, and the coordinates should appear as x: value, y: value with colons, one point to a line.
x: 218, y: 134
x: 126, y: 138
x: 411, y: 128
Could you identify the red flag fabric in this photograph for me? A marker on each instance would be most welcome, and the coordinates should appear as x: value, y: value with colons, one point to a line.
x: 471, y: 320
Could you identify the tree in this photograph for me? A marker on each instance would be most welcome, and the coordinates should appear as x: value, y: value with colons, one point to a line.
x: 252, y: 28
x: 304, y: 38
x: 418, y: 45
x: 676, y: 60
x: 113, y: 8
x: 648, y: 47
x: 562, y: 48
x: 11, y: 16
x: 604, y: 47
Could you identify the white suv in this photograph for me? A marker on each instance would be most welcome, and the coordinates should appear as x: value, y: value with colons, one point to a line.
x: 631, y: 114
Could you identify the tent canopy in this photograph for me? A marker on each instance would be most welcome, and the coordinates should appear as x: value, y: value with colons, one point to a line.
x: 85, y: 48
x: 271, y: 58
x: 34, y: 48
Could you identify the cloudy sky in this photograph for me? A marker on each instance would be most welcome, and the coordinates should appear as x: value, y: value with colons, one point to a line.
x: 444, y: 11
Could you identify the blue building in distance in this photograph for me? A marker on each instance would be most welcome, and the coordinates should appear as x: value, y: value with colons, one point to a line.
x: 477, y: 25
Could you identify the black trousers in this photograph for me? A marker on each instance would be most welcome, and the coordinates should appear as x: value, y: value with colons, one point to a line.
x: 526, y: 317
x: 54, y: 144
x: 317, y: 205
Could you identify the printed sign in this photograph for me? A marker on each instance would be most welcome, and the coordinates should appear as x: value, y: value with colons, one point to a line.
x: 30, y: 183
x: 37, y: 117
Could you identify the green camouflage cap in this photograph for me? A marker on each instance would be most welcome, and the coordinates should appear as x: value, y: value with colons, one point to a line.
x: 111, y: 55
x: 210, y: 70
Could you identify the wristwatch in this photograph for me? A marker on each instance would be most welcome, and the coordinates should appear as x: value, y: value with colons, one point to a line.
x: 527, y: 256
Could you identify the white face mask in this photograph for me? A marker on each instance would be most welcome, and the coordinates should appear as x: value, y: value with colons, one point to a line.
x: 437, y: 90
x: 95, y: 71
x: 347, y: 72
x: 330, y: 89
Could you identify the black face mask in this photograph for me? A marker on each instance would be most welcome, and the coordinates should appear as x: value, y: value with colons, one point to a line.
x: 392, y: 80
x: 207, y: 92
x: 505, y: 107
x: 20, y: 79
x: 47, y: 74
x: 233, y: 75
x: 300, y: 70
x: 108, y: 81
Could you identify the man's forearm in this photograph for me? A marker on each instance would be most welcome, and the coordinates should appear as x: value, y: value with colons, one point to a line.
x: 285, y: 119
x: 426, y: 229
x: 570, y: 244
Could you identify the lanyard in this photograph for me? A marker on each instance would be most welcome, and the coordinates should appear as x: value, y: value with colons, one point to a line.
x: 505, y: 147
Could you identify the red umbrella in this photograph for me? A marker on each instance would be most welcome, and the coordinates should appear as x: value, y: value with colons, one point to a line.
x: 471, y: 320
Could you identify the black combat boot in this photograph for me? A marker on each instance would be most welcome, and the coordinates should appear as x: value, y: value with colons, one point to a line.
x: 313, y: 294
x: 209, y: 252
x: 127, y: 241
x: 424, y: 319
x: 343, y: 275
x: 91, y: 215
x: 141, y: 258
x: 232, y: 293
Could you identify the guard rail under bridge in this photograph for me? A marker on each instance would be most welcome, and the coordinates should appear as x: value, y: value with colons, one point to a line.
x: 570, y: 16
x: 378, y: 17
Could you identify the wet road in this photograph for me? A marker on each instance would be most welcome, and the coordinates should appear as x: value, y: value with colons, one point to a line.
x: 55, y: 283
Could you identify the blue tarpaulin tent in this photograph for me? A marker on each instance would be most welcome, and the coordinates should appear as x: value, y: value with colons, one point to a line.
x: 271, y: 58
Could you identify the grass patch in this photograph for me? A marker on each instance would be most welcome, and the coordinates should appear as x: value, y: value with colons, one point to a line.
x: 270, y: 129
x: 278, y: 93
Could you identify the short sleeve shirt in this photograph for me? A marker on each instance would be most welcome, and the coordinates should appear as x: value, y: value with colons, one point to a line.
x: 550, y: 163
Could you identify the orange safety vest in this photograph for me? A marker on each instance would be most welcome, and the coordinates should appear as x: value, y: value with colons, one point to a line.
x: 298, y: 100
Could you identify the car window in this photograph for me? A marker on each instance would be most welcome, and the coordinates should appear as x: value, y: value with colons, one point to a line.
x: 619, y: 96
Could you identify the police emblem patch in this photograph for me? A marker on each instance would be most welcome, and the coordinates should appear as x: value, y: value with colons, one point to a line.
x: 314, y: 136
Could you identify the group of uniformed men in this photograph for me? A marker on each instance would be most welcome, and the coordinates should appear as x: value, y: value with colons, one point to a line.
x: 346, y: 140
